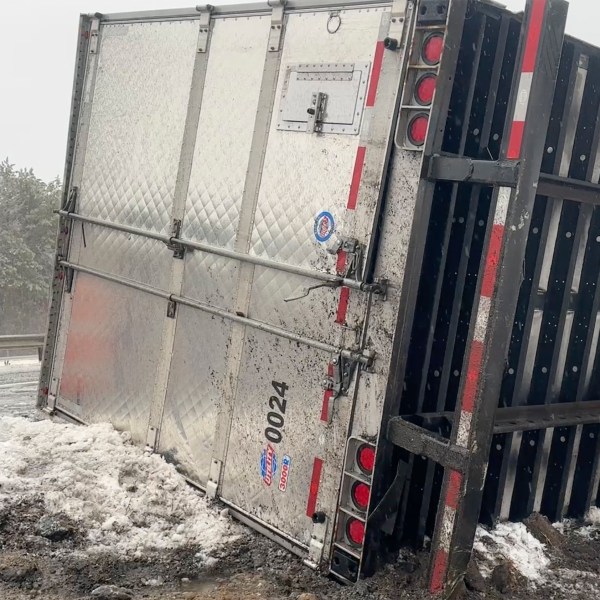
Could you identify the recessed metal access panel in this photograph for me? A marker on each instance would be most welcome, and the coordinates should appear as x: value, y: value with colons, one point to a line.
x: 323, y: 98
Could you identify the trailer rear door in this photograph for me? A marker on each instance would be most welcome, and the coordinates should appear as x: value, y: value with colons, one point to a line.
x: 224, y: 166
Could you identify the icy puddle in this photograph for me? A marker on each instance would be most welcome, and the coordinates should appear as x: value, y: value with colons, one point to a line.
x: 125, y: 501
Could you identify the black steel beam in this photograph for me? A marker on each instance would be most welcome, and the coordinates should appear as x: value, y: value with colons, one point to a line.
x: 463, y: 169
x: 565, y: 188
x: 422, y: 442
x: 518, y: 418
x: 546, y: 416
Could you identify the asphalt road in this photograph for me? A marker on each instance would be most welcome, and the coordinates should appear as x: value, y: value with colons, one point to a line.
x: 18, y: 385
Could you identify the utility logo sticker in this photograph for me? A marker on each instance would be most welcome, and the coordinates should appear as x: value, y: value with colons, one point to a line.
x: 268, y: 464
x: 324, y: 226
x: 285, y: 472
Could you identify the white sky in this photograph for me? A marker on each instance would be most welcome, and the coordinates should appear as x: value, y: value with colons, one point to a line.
x: 37, y: 50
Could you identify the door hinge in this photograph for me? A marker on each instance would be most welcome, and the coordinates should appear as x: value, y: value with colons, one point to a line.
x: 94, y: 31
x: 276, y: 25
x: 151, y: 439
x: 204, y: 31
x: 214, y: 476
x: 71, y: 203
x: 171, y: 309
x: 354, y: 257
x: 316, y: 112
x: 69, y: 274
x: 339, y: 382
x: 50, y: 407
x: 173, y: 243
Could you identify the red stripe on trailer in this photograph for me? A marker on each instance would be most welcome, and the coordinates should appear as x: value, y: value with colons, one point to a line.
x: 534, y: 35
x: 453, y: 492
x: 375, y: 73
x: 342, y: 310
x: 515, y: 142
x: 340, y: 266
x: 359, y: 163
x: 492, y: 261
x: 473, y: 373
x: 313, y: 491
x: 438, y: 572
x: 325, y: 407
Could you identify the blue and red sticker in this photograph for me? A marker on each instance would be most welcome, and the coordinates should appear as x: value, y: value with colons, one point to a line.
x: 269, y: 466
x: 324, y: 226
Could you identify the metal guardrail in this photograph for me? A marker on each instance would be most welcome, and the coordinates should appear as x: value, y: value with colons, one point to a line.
x: 29, y: 340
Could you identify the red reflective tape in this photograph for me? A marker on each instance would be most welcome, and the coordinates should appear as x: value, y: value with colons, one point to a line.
x: 340, y: 266
x: 325, y: 407
x: 515, y: 142
x: 534, y: 35
x: 356, y: 177
x: 342, y: 309
x: 375, y: 73
x: 438, y: 572
x: 313, y: 491
x: 453, y: 493
x: 492, y: 261
x: 473, y: 373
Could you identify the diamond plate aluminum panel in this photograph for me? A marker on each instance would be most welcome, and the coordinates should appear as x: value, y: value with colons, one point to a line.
x: 304, y: 435
x: 312, y: 316
x: 139, y: 259
x: 111, y: 355
x: 212, y: 279
x: 194, y: 391
x: 136, y: 127
x: 305, y: 174
x: 225, y: 129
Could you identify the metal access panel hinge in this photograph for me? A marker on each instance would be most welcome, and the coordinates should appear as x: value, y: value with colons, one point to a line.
x: 316, y: 113
x: 177, y: 248
x: 276, y: 25
x: 94, y: 31
x: 214, y: 477
x: 204, y: 32
x: 316, y: 545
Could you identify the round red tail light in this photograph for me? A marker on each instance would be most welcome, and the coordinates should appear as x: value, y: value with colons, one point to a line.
x: 433, y: 46
x: 425, y: 89
x: 360, y: 493
x: 355, y: 532
x: 365, y: 458
x: 417, y: 129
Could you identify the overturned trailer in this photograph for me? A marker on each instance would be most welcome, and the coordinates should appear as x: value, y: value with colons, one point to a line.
x: 339, y: 263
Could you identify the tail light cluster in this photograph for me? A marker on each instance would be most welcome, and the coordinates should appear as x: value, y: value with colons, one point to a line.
x: 419, y: 90
x: 353, y: 508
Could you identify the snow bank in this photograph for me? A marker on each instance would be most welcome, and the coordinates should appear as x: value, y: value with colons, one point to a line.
x: 512, y: 541
x: 128, y: 501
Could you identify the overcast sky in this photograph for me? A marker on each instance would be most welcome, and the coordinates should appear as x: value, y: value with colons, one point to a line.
x: 37, y: 50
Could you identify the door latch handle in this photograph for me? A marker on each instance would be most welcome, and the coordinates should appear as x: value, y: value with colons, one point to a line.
x: 307, y: 290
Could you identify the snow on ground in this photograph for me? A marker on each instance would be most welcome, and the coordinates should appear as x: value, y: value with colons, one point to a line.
x: 129, y: 502
x: 512, y: 541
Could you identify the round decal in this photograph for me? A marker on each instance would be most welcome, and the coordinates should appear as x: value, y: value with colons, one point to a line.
x: 324, y: 226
